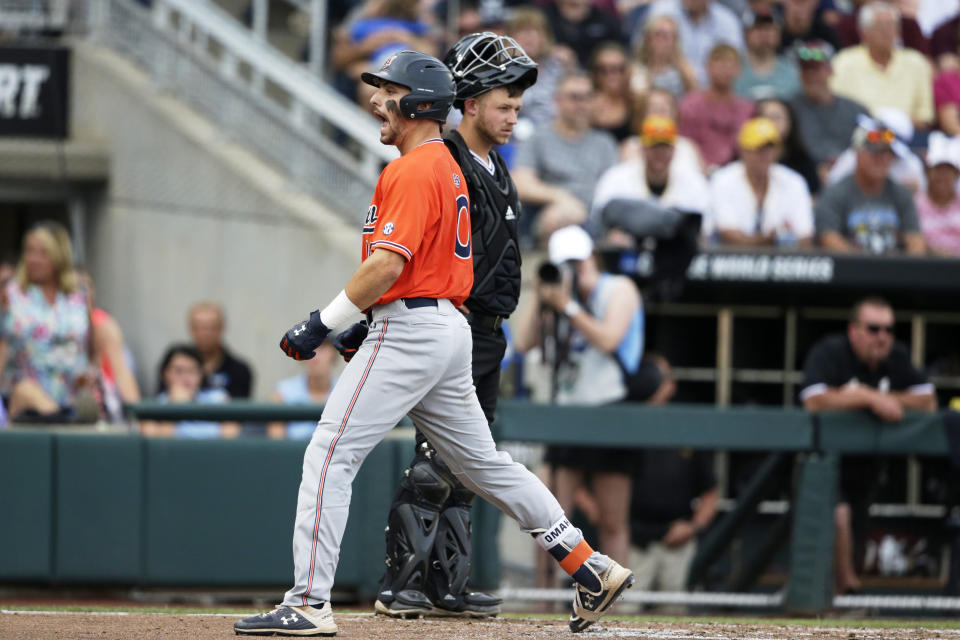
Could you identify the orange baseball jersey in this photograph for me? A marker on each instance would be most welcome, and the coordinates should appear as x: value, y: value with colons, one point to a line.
x: 421, y: 210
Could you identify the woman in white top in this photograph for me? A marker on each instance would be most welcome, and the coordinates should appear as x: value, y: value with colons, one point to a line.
x: 758, y: 202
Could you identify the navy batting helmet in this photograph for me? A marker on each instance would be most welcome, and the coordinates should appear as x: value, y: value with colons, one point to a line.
x: 427, y: 78
x: 484, y: 61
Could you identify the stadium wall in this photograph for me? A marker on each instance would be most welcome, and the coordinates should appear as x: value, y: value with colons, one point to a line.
x: 189, y: 215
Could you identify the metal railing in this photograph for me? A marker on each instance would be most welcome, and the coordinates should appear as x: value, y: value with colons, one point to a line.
x: 33, y: 15
x: 326, y: 145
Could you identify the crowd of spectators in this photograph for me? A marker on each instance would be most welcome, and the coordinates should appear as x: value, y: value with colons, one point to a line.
x: 819, y: 69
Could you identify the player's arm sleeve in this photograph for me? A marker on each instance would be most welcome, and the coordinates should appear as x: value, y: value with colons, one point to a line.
x: 408, y: 203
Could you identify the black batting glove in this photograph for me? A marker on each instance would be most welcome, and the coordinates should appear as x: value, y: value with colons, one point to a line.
x: 348, y: 342
x: 304, y: 337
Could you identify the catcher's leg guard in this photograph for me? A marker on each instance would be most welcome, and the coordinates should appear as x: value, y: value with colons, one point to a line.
x: 411, y: 530
x: 450, y: 562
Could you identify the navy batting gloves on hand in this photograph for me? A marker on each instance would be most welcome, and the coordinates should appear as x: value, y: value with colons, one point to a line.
x: 301, y: 340
x: 348, y: 342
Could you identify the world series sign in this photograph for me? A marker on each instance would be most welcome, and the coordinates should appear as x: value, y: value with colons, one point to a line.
x: 34, y: 92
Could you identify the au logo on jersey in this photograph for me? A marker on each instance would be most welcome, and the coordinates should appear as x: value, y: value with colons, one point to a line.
x: 371, y: 220
x: 456, y: 181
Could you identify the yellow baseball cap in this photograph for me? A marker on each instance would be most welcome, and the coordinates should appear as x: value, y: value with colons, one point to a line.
x: 757, y: 133
x: 658, y: 130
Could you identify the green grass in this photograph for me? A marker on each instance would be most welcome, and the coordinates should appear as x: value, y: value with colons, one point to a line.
x: 871, y: 623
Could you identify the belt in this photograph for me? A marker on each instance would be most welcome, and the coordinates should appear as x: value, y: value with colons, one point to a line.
x: 417, y: 303
x: 409, y: 303
x: 485, y: 321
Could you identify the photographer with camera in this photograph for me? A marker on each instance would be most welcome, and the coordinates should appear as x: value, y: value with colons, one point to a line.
x: 589, y: 326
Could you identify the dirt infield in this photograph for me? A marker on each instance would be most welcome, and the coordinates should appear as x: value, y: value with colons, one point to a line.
x: 33, y: 625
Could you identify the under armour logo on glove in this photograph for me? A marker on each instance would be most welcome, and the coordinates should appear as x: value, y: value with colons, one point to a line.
x: 303, y: 338
x: 348, y: 342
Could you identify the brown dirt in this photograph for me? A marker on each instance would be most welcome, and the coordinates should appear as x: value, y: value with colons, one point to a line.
x: 49, y: 626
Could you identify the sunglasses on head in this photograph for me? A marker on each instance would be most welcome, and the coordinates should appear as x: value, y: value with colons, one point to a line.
x: 881, y: 136
x: 877, y: 328
x: 812, y: 54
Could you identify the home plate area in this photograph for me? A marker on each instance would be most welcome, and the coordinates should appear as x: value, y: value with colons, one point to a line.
x: 32, y: 625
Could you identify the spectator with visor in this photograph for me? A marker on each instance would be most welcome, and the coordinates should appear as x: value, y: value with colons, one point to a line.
x: 653, y: 178
x: 758, y: 201
x: 867, y: 211
x: 939, y: 206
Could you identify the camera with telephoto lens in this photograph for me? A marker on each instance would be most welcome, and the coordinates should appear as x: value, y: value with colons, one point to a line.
x: 548, y: 273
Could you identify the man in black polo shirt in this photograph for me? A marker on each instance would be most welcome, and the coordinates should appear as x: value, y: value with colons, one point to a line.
x: 864, y: 369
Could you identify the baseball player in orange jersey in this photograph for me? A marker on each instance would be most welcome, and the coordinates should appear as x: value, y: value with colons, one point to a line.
x: 416, y: 361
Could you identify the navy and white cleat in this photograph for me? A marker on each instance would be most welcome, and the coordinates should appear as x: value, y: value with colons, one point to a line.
x: 289, y: 621
x: 589, y: 606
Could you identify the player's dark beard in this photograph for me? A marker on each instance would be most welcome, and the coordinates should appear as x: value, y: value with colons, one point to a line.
x: 392, y: 132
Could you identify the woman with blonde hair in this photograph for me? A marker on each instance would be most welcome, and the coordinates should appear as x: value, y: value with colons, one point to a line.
x: 661, y: 63
x: 44, y: 329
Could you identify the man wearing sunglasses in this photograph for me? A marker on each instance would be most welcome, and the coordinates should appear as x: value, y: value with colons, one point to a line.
x: 862, y: 369
x: 867, y: 211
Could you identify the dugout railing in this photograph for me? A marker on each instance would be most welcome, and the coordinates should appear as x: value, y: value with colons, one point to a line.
x: 122, y: 509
